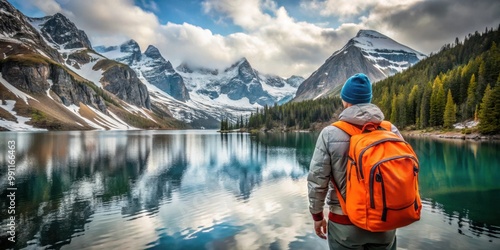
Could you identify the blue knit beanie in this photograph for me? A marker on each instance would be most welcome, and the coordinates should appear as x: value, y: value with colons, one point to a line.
x: 357, y: 89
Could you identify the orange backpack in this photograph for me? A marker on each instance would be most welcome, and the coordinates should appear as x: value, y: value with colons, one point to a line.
x: 382, y: 178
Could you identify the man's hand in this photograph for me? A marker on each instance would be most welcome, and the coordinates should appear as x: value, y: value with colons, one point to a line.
x: 320, y: 228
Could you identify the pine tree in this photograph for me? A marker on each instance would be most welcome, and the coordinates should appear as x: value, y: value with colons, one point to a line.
x: 425, y: 106
x: 449, y: 112
x: 471, y: 97
x: 394, y: 110
x: 489, y: 115
x: 385, y: 103
x: 412, y: 105
x: 401, y: 113
x: 438, y: 103
x: 481, y: 80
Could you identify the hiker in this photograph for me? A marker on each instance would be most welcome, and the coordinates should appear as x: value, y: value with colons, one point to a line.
x: 329, y: 163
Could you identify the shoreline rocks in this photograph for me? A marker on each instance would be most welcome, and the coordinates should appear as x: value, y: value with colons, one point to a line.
x: 451, y: 135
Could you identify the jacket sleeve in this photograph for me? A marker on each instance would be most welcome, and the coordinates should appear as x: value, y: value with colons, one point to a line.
x: 319, y: 176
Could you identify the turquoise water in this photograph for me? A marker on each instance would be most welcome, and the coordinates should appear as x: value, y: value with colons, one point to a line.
x: 203, y: 190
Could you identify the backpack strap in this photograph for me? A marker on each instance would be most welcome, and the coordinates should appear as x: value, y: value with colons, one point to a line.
x: 349, y: 128
x: 387, y: 125
x: 352, y: 129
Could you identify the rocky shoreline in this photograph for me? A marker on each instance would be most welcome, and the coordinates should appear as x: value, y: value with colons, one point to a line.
x: 450, y: 135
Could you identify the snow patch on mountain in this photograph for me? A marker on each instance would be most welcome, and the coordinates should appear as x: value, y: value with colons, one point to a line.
x: 387, y: 55
x: 100, y: 121
x: 370, y: 40
x: 20, y: 124
x: 86, y: 70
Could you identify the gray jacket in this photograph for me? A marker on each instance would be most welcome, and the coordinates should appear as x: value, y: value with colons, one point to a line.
x: 330, y: 158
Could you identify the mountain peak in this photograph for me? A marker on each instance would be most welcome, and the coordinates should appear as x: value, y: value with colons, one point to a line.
x: 131, y: 47
x: 370, y: 34
x: 241, y: 63
x: 60, y: 16
x: 153, y: 52
x: 130, y: 44
x: 370, y: 52
x: 370, y: 40
x: 60, y: 30
x: 244, y: 61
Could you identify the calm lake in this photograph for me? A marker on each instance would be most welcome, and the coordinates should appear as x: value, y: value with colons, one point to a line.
x: 204, y: 190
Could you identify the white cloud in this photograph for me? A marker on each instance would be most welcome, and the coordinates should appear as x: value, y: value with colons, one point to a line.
x: 49, y: 7
x: 113, y: 17
x: 199, y: 47
x: 276, y: 43
x: 349, y: 8
x: 245, y: 13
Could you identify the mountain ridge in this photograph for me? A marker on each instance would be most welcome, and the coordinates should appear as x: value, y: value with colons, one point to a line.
x: 44, y: 85
x: 369, y: 52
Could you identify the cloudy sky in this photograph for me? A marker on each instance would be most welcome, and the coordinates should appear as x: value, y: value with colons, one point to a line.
x: 282, y: 37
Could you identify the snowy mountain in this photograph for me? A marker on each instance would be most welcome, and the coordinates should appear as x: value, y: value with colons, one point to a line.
x: 149, y: 65
x: 238, y: 85
x: 50, y: 78
x: 370, y: 52
x: 17, y: 34
x: 60, y: 31
x: 201, y: 96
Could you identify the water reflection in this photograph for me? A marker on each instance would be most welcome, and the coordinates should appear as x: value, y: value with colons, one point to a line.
x: 201, y: 189
x: 71, y: 181
x: 460, y: 179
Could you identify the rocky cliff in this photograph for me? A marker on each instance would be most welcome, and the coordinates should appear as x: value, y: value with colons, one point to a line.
x: 59, y: 30
x: 37, y: 75
x: 122, y: 81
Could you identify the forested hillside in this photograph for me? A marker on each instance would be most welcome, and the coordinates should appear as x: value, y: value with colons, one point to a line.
x: 459, y: 83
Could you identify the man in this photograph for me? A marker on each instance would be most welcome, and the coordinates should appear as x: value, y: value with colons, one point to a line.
x: 329, y: 164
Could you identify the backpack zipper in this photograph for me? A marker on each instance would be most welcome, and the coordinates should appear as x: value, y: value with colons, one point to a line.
x: 352, y: 163
x: 360, y: 157
x: 372, y: 173
x: 358, y: 170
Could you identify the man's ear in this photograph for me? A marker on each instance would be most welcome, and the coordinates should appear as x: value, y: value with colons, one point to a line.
x: 346, y: 104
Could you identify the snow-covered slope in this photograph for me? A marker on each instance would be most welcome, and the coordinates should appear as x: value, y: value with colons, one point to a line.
x: 386, y: 54
x: 370, y: 52
x: 150, y: 65
x: 238, y: 86
x: 52, y: 79
x: 200, y: 96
